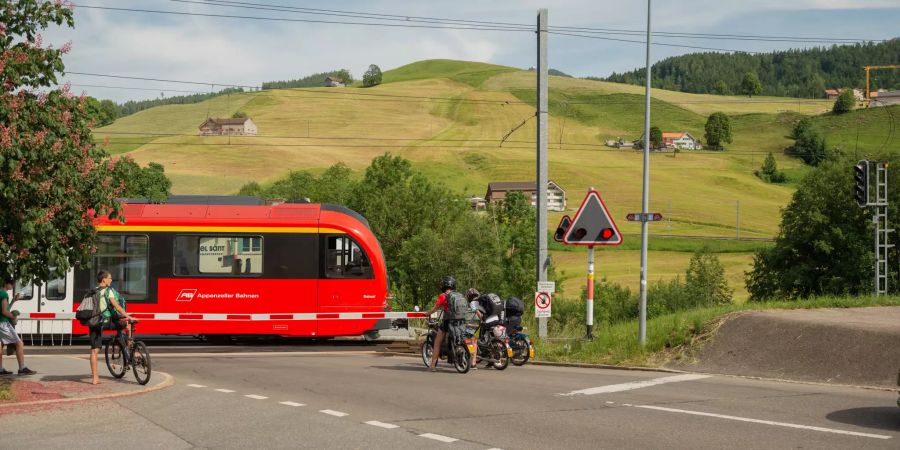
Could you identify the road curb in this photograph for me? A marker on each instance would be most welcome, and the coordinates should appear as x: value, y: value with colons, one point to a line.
x: 168, y: 382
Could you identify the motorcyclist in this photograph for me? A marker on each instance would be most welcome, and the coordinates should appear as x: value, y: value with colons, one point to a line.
x: 472, y: 295
x: 448, y: 284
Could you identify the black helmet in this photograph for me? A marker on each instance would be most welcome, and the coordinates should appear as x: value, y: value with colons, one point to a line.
x: 472, y: 294
x: 448, y: 282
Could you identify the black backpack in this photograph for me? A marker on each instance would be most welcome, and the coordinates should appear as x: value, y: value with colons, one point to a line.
x: 491, y: 304
x: 456, y: 306
x: 515, y: 307
x: 88, y: 312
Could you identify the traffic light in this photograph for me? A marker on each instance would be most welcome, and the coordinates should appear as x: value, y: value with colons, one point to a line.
x: 861, y: 175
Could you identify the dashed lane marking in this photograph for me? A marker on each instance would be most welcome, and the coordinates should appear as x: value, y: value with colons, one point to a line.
x: 637, y: 384
x: 256, y: 397
x: 764, y: 422
x: 438, y: 437
x: 376, y: 423
x: 333, y: 413
x: 227, y: 391
x: 291, y: 404
x: 196, y: 385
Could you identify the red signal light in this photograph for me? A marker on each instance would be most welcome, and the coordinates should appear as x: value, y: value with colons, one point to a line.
x: 607, y: 233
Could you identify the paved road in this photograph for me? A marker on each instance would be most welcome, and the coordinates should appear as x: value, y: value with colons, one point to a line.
x: 361, y: 400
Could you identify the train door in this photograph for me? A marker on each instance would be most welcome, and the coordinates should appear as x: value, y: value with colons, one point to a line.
x: 27, y: 303
x: 56, y: 296
x: 348, y: 285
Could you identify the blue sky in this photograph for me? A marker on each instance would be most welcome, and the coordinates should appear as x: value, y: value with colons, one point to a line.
x: 247, y: 52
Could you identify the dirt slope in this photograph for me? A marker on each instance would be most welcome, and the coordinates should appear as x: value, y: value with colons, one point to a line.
x: 856, y: 346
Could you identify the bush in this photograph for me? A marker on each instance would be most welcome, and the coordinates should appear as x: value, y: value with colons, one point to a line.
x: 844, y: 103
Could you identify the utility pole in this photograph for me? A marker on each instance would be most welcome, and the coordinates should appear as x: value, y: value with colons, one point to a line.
x: 540, y: 206
x: 645, y: 200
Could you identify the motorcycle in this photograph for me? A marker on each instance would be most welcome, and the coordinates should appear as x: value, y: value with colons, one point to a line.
x: 456, y: 349
x: 493, y: 348
x: 521, y: 346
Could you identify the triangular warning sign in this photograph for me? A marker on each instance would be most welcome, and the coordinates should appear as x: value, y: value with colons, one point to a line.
x: 592, y: 224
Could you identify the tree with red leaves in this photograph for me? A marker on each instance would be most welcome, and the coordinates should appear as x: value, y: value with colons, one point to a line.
x: 53, y: 178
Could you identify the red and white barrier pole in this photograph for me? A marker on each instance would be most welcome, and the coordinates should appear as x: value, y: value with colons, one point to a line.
x: 589, y: 318
x: 242, y: 317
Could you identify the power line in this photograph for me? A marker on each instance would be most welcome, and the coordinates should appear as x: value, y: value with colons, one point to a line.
x: 315, y: 91
x: 286, y: 92
x: 633, y: 41
x: 457, y: 147
x: 395, y: 25
x: 285, y: 19
x: 520, y: 26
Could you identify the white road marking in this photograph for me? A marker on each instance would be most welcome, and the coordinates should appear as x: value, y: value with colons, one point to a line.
x: 438, y: 437
x: 196, y: 385
x: 333, y: 413
x: 227, y: 391
x: 292, y: 404
x: 610, y: 403
x: 764, y: 422
x: 637, y: 384
x: 256, y: 397
x: 376, y: 423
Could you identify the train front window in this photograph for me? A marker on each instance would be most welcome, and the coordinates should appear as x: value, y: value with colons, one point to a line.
x: 218, y: 255
x: 346, y: 259
x: 125, y: 257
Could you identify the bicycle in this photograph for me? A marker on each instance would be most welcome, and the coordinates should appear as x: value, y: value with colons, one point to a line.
x: 119, y: 355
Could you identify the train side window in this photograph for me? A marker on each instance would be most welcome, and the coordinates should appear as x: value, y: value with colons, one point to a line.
x: 125, y: 257
x: 56, y: 287
x: 218, y: 255
x: 344, y: 258
x: 25, y: 291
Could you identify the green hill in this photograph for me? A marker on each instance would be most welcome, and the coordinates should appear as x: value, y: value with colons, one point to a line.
x: 457, y: 141
x: 471, y: 73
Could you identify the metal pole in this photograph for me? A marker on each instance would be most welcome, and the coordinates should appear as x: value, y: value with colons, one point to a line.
x: 540, y: 206
x: 642, y: 324
x: 589, y: 317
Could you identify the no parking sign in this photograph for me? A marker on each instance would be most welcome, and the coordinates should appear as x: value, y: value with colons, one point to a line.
x: 542, y: 304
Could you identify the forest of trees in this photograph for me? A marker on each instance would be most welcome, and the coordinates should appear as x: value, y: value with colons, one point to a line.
x: 314, y: 80
x: 792, y: 73
x: 132, y: 106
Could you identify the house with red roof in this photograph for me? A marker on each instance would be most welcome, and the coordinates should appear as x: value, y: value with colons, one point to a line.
x: 682, y: 140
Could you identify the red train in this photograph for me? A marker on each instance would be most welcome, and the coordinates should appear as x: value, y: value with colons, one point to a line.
x: 235, y: 266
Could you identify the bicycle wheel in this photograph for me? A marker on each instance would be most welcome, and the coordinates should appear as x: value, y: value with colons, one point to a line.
x: 501, y: 358
x: 460, y: 358
x: 427, y: 351
x: 520, y: 351
x: 141, y: 363
x: 115, y: 358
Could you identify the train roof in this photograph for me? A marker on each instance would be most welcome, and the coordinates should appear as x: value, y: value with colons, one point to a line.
x: 227, y: 209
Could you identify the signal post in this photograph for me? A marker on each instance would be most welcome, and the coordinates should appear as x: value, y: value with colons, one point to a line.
x: 591, y: 226
x: 864, y: 171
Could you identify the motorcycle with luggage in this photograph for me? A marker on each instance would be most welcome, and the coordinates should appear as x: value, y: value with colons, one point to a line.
x: 519, y: 342
x: 455, y: 349
x: 493, y: 347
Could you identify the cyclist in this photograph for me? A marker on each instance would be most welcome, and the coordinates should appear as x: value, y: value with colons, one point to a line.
x: 448, y: 285
x: 109, y: 302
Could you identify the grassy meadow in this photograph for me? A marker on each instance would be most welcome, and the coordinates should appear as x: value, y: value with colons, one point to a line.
x: 448, y: 118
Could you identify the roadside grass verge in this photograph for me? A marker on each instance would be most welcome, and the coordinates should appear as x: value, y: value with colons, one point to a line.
x: 675, y: 244
x: 668, y: 336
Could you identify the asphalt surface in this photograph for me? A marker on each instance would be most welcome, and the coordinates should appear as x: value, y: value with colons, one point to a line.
x: 362, y: 400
